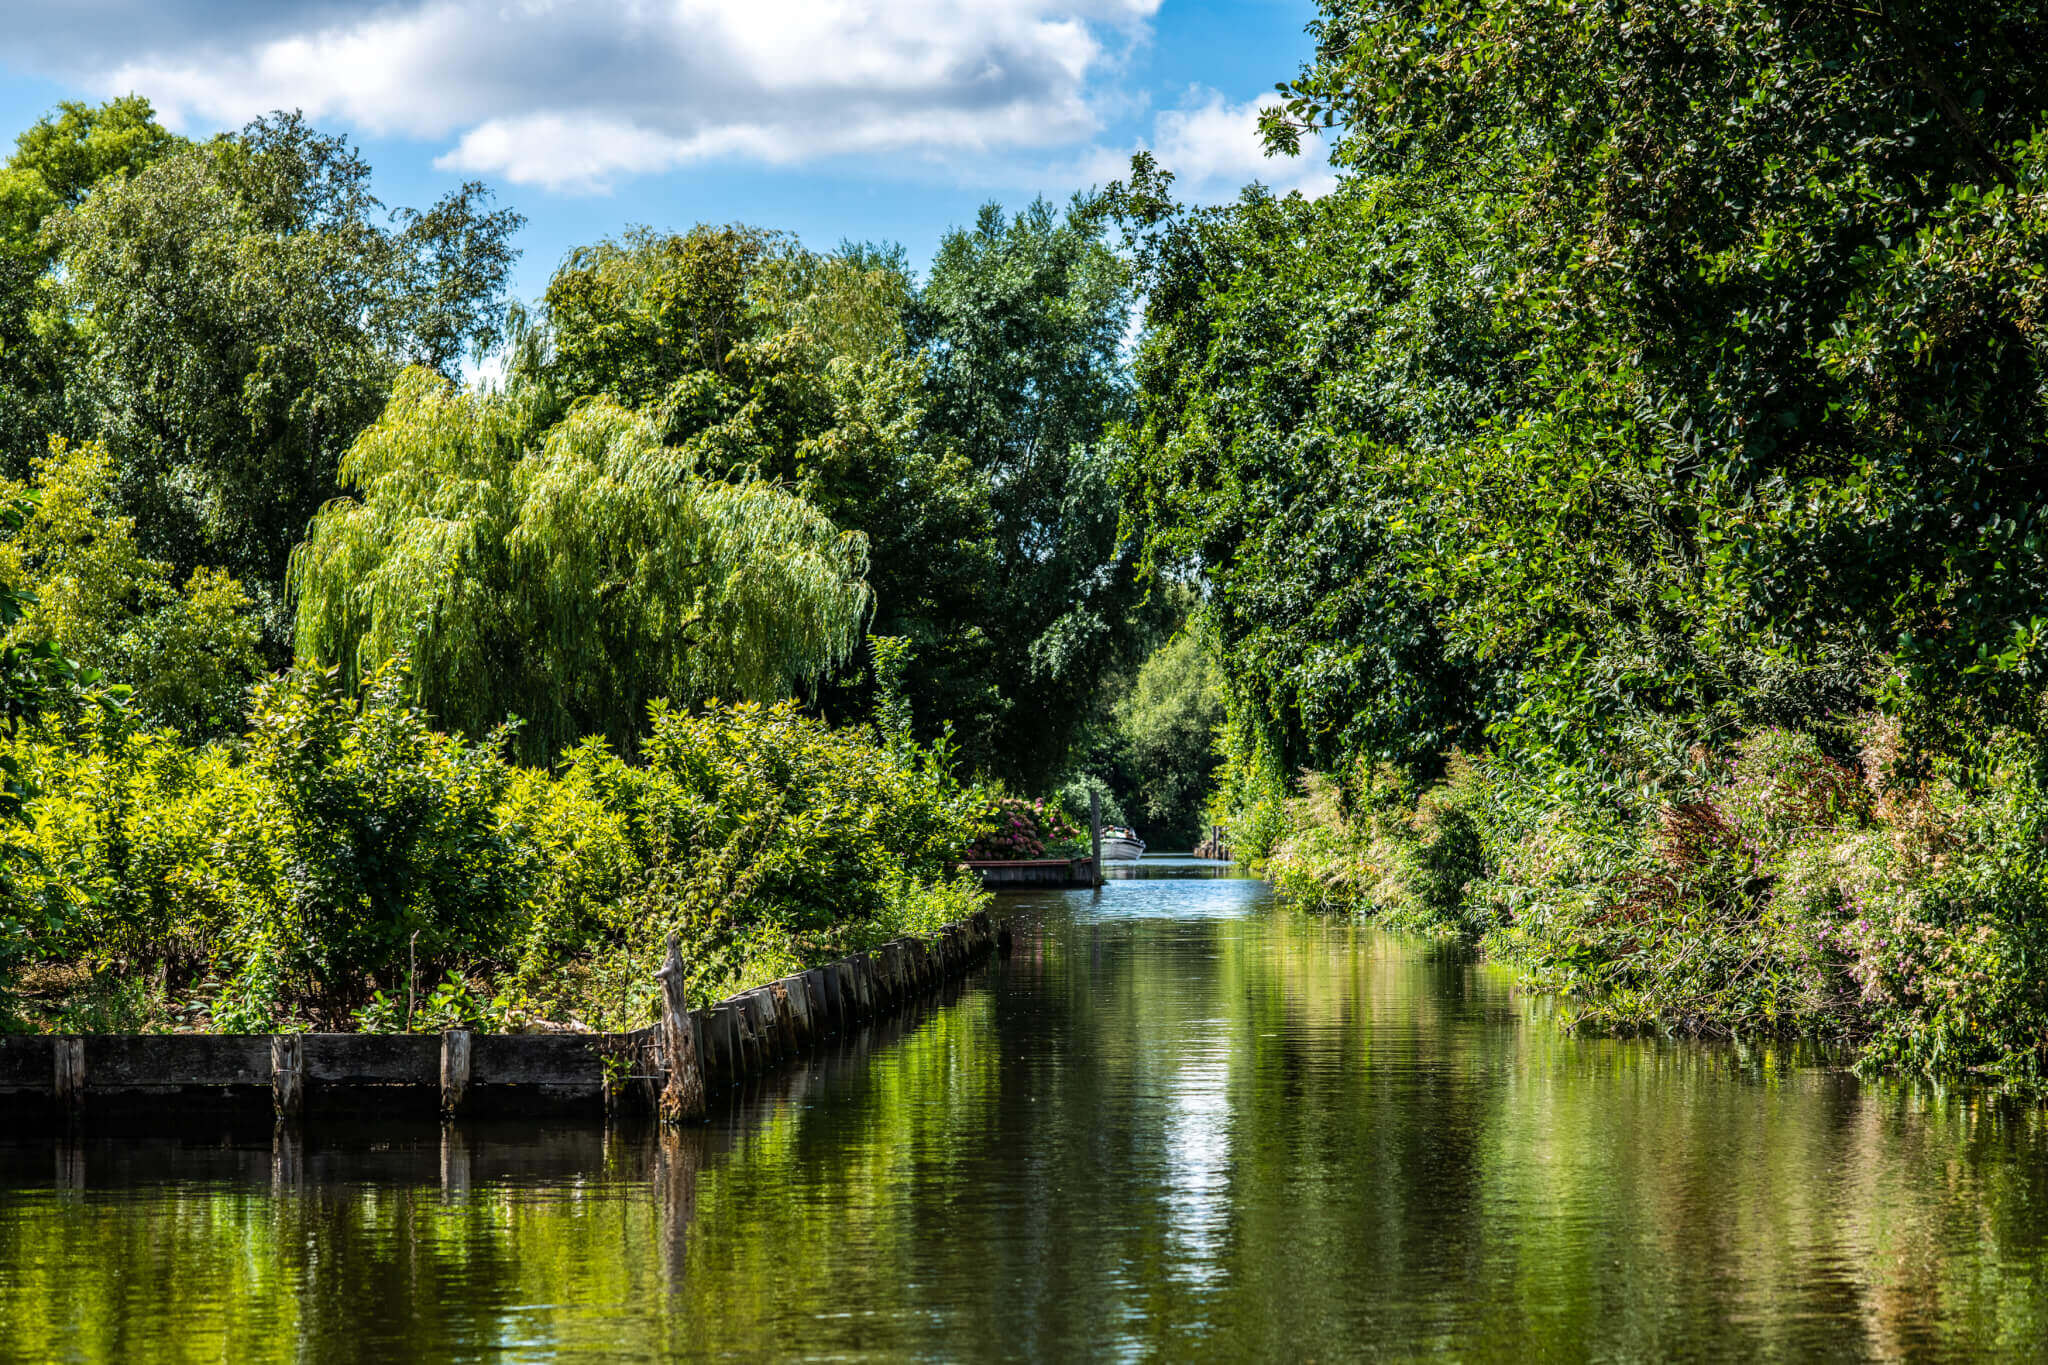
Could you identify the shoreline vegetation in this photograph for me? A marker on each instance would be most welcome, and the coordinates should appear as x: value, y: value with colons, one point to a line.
x: 1620, y: 505
x: 1610, y: 524
x: 341, y: 692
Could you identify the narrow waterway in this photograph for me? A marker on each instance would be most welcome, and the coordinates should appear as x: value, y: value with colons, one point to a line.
x: 1176, y: 1123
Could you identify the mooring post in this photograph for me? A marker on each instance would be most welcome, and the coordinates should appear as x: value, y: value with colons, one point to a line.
x: 1095, y: 836
x: 683, y: 1099
x: 287, y: 1077
x: 454, y: 1070
x: 70, y: 1077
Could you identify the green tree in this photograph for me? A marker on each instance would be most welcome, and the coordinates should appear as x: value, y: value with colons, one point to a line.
x: 57, y: 161
x: 1169, y: 720
x: 1022, y: 323
x: 767, y: 360
x: 1655, y: 373
x: 567, y: 576
x: 243, y: 311
x: 186, y: 653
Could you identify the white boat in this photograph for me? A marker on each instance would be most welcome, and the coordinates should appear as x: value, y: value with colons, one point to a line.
x: 1121, y: 845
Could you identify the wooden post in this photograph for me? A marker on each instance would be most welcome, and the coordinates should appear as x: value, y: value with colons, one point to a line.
x: 1095, y: 834
x: 287, y: 1076
x: 70, y: 1077
x: 683, y: 1099
x: 761, y: 1018
x: 732, y: 1056
x: 857, y: 968
x: 849, y: 995
x: 805, y: 1006
x: 454, y: 1069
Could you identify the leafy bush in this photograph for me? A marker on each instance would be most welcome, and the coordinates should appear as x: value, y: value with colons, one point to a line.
x: 344, y: 853
x: 187, y: 653
x: 1013, y: 827
x: 1779, y: 888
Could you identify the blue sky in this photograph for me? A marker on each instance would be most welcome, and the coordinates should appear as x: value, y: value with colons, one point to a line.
x: 847, y: 119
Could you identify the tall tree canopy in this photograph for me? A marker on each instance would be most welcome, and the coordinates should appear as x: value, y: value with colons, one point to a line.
x: 567, y: 576
x: 242, y: 309
x: 1656, y: 371
x: 57, y: 161
x: 957, y: 426
x: 1022, y: 323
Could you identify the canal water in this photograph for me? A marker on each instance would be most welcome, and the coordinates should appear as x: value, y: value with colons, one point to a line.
x: 1176, y: 1123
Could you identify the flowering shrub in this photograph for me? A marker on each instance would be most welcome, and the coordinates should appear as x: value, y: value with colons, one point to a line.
x: 1017, y: 829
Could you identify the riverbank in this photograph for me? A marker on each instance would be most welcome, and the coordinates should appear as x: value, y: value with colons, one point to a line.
x: 673, y: 1067
x: 345, y: 867
x: 1781, y: 889
x: 1173, y: 1125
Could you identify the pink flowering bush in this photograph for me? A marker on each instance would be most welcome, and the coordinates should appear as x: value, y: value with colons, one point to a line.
x: 1017, y: 829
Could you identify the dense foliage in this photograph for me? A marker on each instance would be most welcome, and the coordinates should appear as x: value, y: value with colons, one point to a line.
x: 568, y: 577
x: 234, y: 314
x: 346, y: 856
x: 718, y: 464
x: 1662, y: 385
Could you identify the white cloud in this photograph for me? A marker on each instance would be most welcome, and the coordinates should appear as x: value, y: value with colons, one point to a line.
x: 575, y: 94
x: 1213, y: 148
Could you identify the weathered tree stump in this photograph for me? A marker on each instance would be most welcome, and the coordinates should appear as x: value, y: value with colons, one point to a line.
x: 682, y: 1100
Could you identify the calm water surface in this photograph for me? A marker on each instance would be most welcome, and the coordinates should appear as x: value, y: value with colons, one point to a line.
x: 1177, y: 1123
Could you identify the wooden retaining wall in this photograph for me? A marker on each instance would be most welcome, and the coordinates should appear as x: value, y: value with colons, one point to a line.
x: 673, y: 1067
x: 1017, y: 873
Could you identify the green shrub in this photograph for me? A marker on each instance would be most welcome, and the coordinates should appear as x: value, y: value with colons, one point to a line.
x: 344, y: 854
x: 1774, y: 889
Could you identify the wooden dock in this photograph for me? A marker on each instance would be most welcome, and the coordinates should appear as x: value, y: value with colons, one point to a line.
x: 671, y: 1068
x: 1011, y: 874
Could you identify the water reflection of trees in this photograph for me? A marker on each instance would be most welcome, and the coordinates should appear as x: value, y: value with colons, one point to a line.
x: 1261, y: 1135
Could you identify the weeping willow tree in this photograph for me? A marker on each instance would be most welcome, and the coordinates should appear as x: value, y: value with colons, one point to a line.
x: 568, y: 576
